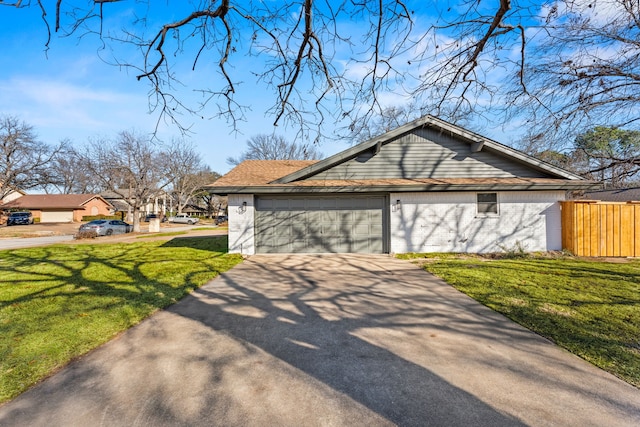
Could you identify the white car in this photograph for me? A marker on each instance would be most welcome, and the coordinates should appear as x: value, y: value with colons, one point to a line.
x: 183, y: 218
x: 107, y: 227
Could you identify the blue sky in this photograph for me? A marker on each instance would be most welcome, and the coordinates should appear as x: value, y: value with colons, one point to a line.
x: 69, y: 92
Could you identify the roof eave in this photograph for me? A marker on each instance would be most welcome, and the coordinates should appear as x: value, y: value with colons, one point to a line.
x: 439, y: 187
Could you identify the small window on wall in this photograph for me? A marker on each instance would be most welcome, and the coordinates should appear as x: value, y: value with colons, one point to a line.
x: 487, y: 203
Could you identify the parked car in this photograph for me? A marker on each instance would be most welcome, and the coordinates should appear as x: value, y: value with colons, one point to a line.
x: 152, y: 216
x: 107, y: 227
x: 221, y: 219
x: 183, y: 218
x: 20, y: 218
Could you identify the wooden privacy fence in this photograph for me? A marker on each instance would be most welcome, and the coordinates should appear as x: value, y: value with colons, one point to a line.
x: 601, y: 229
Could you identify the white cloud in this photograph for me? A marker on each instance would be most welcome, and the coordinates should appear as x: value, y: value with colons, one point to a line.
x: 599, y: 12
x: 59, y: 109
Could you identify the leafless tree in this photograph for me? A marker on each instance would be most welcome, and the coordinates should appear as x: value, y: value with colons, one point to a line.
x: 275, y: 147
x: 388, y: 119
x: 585, y: 69
x: 24, y: 160
x: 553, y: 63
x: 68, y: 174
x: 185, y: 172
x: 215, y: 204
x: 129, y: 166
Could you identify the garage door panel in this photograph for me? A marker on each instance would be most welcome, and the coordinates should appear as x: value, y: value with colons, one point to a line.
x: 329, y: 215
x: 56, y: 216
x: 328, y: 230
x: 298, y: 244
x: 280, y: 215
x: 363, y: 229
x: 376, y: 229
x: 315, y: 216
x: 319, y: 224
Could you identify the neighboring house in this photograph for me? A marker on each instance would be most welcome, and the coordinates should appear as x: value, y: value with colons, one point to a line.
x: 615, y: 195
x: 61, y: 207
x: 194, y: 210
x: 12, y: 196
x: 427, y: 186
x: 155, y: 205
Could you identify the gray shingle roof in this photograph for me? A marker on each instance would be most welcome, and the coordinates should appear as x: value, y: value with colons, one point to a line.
x: 615, y: 195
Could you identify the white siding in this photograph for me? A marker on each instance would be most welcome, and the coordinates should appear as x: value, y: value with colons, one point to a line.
x: 241, y: 224
x: 447, y: 222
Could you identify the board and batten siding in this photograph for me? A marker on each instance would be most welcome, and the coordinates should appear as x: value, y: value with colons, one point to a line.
x: 448, y: 222
x: 241, y: 224
x: 601, y: 229
x: 425, y: 153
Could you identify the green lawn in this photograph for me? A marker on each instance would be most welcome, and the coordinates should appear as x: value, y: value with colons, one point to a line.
x: 58, y: 302
x: 167, y: 234
x: 591, y: 308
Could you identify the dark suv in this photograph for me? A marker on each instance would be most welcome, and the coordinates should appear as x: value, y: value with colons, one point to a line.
x: 20, y: 218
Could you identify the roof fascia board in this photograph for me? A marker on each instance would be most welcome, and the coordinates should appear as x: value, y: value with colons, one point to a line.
x: 271, y: 189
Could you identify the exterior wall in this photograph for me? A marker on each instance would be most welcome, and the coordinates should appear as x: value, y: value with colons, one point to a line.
x: 241, y: 224
x: 11, y: 197
x: 36, y: 213
x: 100, y: 207
x: 448, y: 222
x: 425, y: 153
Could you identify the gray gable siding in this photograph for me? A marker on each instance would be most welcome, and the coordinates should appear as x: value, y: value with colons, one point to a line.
x: 427, y: 153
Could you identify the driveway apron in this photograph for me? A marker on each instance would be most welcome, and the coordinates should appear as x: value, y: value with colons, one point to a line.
x: 327, y: 340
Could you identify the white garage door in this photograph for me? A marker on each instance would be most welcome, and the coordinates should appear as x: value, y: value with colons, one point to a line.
x: 56, y: 216
x: 352, y: 224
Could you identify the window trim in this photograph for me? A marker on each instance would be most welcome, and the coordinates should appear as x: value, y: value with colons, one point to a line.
x: 488, y: 214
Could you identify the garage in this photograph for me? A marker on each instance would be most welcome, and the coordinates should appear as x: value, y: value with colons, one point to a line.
x: 290, y: 224
x: 56, y: 216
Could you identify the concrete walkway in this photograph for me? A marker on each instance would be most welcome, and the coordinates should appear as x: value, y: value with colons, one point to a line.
x: 21, y: 242
x: 327, y: 340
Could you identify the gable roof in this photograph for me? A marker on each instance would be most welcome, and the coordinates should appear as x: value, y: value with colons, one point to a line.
x: 261, y: 172
x: 615, y: 195
x: 478, y: 143
x: 427, y: 154
x: 52, y: 201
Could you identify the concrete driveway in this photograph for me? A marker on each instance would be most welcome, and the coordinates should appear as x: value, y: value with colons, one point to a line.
x: 327, y: 340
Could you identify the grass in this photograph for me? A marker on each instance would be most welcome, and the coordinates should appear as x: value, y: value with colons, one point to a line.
x: 58, y: 302
x: 589, y: 307
x: 205, y: 228
x: 168, y: 234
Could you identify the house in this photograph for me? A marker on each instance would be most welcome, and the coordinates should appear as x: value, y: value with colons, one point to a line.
x: 615, y: 195
x: 152, y: 205
x: 194, y: 210
x: 61, y: 207
x: 427, y: 186
x: 12, y: 195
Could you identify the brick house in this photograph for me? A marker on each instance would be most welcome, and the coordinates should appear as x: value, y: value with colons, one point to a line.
x: 61, y: 207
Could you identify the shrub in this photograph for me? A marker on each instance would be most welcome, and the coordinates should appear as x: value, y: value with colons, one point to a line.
x: 518, y: 250
x: 86, y: 234
x: 94, y: 217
